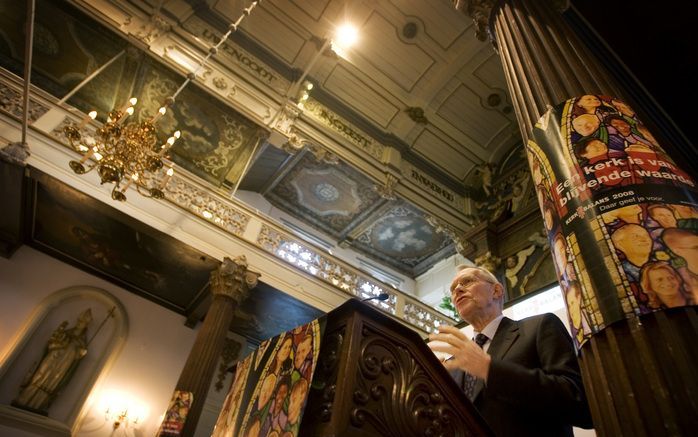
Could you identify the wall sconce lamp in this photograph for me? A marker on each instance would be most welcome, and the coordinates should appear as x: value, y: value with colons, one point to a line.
x: 119, y: 417
x: 122, y: 410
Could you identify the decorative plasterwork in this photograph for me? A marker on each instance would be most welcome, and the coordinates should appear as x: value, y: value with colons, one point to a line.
x: 205, y: 205
x: 426, y: 320
x: 323, y: 267
x: 488, y: 261
x: 232, y: 278
x: 11, y: 103
x: 147, y: 30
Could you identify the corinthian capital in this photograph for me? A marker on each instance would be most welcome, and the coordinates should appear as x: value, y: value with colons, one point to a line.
x: 232, y: 278
x: 480, y: 11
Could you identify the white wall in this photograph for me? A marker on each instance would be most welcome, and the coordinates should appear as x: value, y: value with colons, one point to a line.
x: 148, y: 366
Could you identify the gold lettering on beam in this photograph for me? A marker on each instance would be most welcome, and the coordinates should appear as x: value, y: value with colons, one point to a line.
x: 433, y: 186
x: 344, y: 128
x: 242, y: 58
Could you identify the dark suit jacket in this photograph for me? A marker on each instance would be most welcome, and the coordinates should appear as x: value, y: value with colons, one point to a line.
x: 534, y: 387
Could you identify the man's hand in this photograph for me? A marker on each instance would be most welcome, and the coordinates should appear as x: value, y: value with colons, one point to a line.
x: 466, y: 354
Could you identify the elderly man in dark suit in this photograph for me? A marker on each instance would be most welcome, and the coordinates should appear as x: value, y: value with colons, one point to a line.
x: 522, y: 376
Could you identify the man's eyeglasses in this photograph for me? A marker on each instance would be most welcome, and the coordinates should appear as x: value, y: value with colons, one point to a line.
x: 467, y: 282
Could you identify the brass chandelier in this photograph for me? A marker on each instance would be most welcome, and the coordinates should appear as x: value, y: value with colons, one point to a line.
x: 126, y: 154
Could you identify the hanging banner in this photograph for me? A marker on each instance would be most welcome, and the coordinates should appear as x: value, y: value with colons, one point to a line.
x: 176, y: 414
x: 621, y: 216
x: 271, y: 386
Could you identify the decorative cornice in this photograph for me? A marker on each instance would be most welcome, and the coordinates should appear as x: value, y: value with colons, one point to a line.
x: 463, y: 246
x: 480, y: 11
x: 387, y: 190
x: 488, y: 261
x: 232, y: 279
x: 344, y: 128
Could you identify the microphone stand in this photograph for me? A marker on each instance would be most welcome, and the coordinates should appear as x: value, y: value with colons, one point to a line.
x: 381, y: 297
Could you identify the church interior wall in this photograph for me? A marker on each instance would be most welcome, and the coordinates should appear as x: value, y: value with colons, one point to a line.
x: 145, y: 370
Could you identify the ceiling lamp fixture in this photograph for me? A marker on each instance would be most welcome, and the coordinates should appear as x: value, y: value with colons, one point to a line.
x: 345, y: 37
x: 128, y: 154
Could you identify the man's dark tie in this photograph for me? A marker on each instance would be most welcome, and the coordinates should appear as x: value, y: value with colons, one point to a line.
x: 469, y: 380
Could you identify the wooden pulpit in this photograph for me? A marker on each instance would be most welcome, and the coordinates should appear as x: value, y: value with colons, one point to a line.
x: 376, y: 377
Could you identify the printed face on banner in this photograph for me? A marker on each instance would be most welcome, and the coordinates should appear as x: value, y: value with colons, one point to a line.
x: 621, y: 216
x: 271, y: 386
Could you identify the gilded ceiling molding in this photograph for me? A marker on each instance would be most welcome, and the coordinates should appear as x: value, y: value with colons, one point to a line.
x: 344, y: 128
x: 286, y: 118
x: 323, y: 155
x: 216, y: 77
x: 203, y: 204
x: 232, y: 279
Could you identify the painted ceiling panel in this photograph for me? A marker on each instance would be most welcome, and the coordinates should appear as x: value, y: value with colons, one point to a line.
x: 443, y: 154
x: 382, y: 48
x: 353, y: 91
x: 313, y: 8
x: 401, y: 237
x: 284, y: 41
x: 480, y: 124
x: 331, y: 198
x: 489, y: 72
x: 439, y: 21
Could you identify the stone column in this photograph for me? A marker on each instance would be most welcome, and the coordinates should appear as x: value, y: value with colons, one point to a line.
x: 639, y: 370
x: 230, y: 284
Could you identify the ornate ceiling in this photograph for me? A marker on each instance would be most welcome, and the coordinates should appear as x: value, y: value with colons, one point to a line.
x: 380, y: 158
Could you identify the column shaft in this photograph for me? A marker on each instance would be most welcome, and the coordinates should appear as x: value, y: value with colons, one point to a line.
x: 641, y: 372
x: 198, y: 371
x: 230, y: 284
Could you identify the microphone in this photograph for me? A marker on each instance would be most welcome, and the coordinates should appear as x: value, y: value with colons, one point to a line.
x: 381, y: 297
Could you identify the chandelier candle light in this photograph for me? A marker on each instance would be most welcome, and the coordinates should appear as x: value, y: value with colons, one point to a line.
x: 131, y: 151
